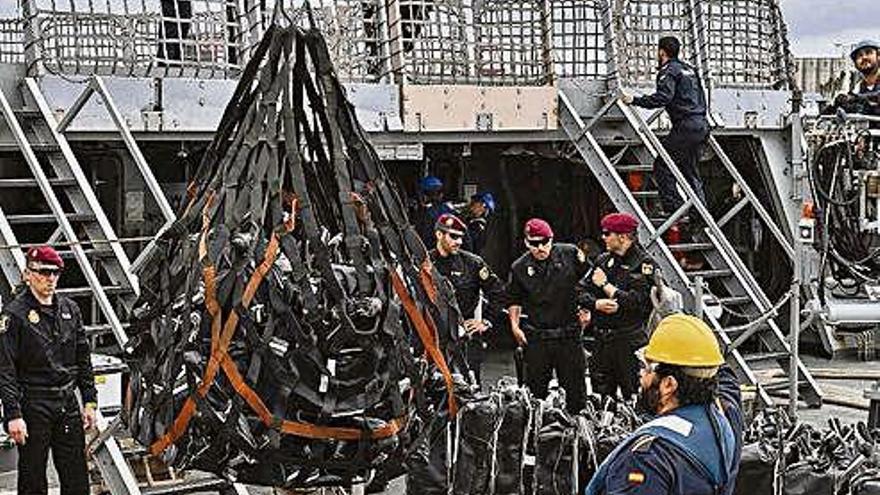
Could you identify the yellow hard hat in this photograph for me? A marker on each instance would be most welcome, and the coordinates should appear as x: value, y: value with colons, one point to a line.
x: 684, y: 340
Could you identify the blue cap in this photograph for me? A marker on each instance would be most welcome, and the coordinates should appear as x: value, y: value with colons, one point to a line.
x: 486, y: 198
x: 863, y: 44
x: 430, y: 184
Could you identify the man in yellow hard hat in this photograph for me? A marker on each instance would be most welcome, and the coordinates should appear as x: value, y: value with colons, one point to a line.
x: 693, y: 445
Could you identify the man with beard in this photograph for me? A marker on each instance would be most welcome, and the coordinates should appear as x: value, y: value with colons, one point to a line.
x: 693, y: 445
x: 469, y: 275
x: 680, y: 92
x: 543, y: 313
x: 866, y: 100
x: 617, y: 293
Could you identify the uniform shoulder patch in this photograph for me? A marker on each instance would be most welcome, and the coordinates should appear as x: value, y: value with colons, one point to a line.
x: 484, y: 273
x: 647, y: 268
x: 4, y: 323
x: 33, y: 316
x: 643, y: 444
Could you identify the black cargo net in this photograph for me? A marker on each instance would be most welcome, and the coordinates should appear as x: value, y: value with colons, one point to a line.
x: 272, y: 343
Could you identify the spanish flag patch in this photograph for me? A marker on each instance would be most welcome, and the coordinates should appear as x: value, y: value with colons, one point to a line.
x: 636, y: 477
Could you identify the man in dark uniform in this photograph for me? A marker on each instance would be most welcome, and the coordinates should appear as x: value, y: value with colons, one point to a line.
x: 480, y: 208
x: 543, y: 313
x: 680, y: 92
x: 469, y: 275
x: 866, y: 98
x: 617, y: 293
x: 693, y: 446
x: 44, y: 357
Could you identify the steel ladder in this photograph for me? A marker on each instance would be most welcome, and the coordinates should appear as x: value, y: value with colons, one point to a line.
x: 634, y: 151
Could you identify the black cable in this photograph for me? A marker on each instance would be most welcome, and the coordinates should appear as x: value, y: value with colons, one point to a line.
x: 845, y: 252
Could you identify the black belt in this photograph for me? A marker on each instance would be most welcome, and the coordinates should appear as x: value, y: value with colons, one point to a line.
x: 48, y: 391
x: 553, y: 333
x: 618, y: 334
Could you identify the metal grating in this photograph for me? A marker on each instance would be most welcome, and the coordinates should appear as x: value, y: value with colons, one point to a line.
x: 745, y: 42
x: 198, y: 38
x: 354, y: 33
x: 511, y: 43
x: 494, y: 42
x: 11, y: 41
x: 639, y: 25
x: 435, y: 40
x: 578, y: 39
x: 74, y: 44
x: 487, y: 42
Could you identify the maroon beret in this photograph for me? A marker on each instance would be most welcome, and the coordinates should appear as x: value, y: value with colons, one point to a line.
x: 45, y: 254
x: 538, y: 228
x: 451, y: 224
x: 619, y: 223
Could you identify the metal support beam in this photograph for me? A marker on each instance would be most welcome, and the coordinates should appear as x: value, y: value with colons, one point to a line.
x: 12, y: 261
x: 733, y: 211
x: 33, y: 48
x: 666, y: 225
x: 96, y: 85
x: 111, y: 462
x: 130, y: 143
x: 752, y: 197
x: 74, y: 109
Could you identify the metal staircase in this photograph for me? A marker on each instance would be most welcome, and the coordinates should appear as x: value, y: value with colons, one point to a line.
x: 81, y: 230
x: 633, y: 149
x: 79, y: 222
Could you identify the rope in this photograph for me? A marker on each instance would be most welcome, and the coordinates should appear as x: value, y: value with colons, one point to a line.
x: 95, y: 242
x: 770, y: 313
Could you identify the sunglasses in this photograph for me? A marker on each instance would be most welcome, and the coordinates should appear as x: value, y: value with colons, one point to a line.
x: 47, y: 272
x: 644, y: 365
x: 455, y: 237
x: 536, y: 243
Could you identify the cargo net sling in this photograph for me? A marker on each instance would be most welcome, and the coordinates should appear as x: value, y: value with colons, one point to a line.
x: 290, y: 320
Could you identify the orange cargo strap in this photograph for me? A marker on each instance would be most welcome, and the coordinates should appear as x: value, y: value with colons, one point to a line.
x: 298, y: 428
x: 427, y: 332
x: 209, y: 275
x: 219, y: 358
x: 427, y: 280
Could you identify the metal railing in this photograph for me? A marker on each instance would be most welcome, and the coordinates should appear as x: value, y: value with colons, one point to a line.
x: 174, y: 38
x: 639, y: 24
x: 739, y: 43
x: 746, y: 43
x: 11, y: 41
x: 578, y: 39
x: 356, y: 32
x: 489, y: 42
